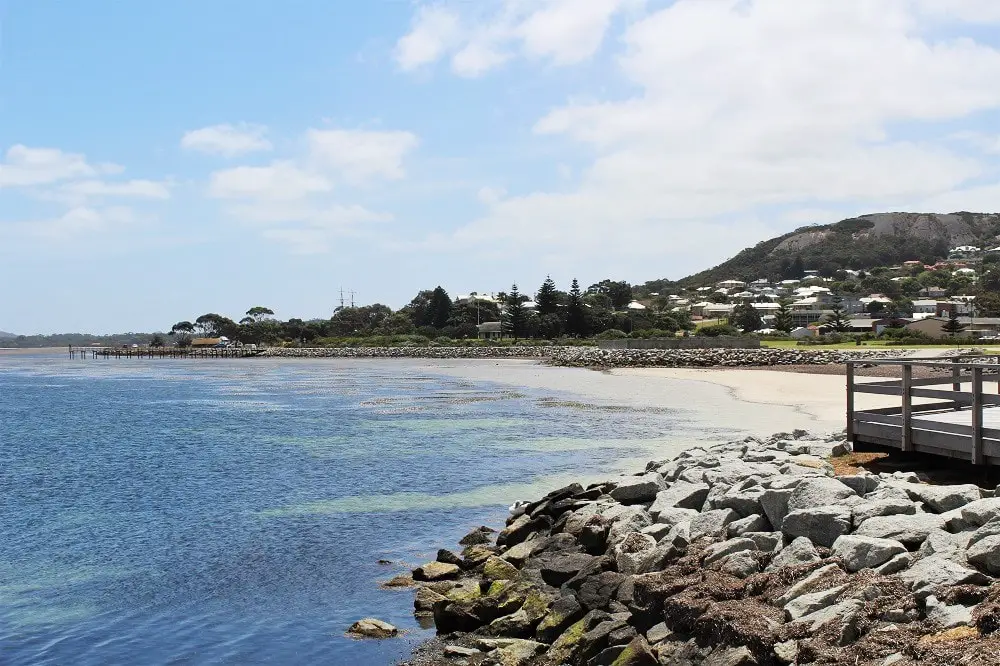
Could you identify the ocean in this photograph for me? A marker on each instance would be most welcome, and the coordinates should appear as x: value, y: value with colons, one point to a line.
x: 235, y: 511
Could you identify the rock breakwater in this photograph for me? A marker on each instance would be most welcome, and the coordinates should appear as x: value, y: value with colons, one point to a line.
x: 706, y: 358
x: 590, y: 357
x: 740, y: 554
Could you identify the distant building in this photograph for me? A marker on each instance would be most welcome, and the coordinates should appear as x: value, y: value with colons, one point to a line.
x: 491, y: 330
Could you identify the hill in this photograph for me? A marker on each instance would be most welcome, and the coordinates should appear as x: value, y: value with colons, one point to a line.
x: 881, y: 239
x: 5, y: 334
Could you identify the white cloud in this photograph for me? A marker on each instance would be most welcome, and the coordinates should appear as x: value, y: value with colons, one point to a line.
x: 743, y: 105
x: 227, y: 140
x: 280, y: 181
x: 360, y: 155
x: 478, y: 40
x: 77, y: 222
x: 491, y: 195
x: 24, y: 167
x: 435, y: 29
x: 136, y: 189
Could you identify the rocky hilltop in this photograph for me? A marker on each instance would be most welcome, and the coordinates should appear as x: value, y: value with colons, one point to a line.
x: 879, y: 239
x: 747, y: 553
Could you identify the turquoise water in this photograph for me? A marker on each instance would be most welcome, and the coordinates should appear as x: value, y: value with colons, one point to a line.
x: 234, y: 512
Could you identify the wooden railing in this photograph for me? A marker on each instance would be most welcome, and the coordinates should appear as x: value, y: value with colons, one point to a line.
x: 930, y: 427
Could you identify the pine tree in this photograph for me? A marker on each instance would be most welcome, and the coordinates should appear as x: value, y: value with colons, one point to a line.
x: 439, y: 308
x: 547, y: 300
x: 837, y: 320
x: 953, y: 326
x: 783, y: 317
x: 513, y: 314
x: 576, y: 323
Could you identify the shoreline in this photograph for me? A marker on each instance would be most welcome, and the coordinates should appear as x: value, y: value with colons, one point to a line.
x: 637, y: 571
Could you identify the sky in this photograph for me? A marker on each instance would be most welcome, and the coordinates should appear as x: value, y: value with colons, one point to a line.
x: 161, y: 160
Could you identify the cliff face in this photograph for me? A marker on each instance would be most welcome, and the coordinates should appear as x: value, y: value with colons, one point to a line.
x: 956, y: 228
x: 859, y: 243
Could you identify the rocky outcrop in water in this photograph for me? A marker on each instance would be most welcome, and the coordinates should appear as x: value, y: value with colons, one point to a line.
x: 590, y: 357
x: 746, y: 553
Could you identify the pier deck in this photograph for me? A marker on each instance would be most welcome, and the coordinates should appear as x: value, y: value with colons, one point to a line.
x: 949, y: 411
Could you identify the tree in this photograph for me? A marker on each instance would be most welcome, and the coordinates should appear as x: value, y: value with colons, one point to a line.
x: 212, y: 324
x: 182, y: 327
x: 548, y: 303
x: 576, y: 322
x: 419, y: 309
x: 783, y: 316
x: 746, y: 318
x: 837, y: 319
x: 259, y: 312
x: 620, y: 293
x: 439, y: 308
x: 953, y: 326
x: 514, y: 316
x: 157, y: 340
x: 796, y: 270
x: 550, y: 326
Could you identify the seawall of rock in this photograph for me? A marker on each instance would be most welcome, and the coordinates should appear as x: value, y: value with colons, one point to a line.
x: 695, y: 358
x: 746, y: 553
x: 594, y: 357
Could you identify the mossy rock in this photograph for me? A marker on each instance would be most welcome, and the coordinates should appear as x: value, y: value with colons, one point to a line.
x: 497, y: 568
x: 567, y: 644
x: 466, y: 590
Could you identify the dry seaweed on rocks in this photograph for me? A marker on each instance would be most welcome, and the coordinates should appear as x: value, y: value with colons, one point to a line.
x: 725, y: 556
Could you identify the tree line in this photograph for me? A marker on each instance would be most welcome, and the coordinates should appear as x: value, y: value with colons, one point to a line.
x: 577, y: 313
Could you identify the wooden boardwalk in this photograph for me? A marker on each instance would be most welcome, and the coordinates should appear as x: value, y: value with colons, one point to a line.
x: 162, y: 352
x: 950, y: 413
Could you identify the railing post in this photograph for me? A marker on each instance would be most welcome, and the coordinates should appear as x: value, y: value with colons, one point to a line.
x: 907, y: 440
x: 978, y: 457
x: 956, y: 386
x: 850, y: 402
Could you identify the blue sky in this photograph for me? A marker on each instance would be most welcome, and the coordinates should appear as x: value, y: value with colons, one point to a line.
x: 162, y: 160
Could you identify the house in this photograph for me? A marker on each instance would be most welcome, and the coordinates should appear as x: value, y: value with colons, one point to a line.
x: 698, y: 309
x: 491, y: 330
x: 636, y: 305
x: 209, y: 342
x: 976, y: 327
x: 872, y: 325
x: 717, y: 311
x: 731, y: 284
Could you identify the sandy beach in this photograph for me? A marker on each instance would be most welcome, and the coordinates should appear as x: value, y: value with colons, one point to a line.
x: 758, y: 402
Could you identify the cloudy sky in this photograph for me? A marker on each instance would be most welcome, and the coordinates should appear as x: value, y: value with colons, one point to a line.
x: 162, y: 160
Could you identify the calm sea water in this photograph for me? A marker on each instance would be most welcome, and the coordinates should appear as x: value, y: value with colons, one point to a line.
x: 234, y: 512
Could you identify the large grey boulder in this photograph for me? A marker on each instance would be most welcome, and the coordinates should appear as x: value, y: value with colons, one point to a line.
x: 819, y: 580
x: 945, y: 616
x: 807, y: 604
x: 719, y: 550
x: 680, y: 495
x: 712, y: 523
x: 928, y: 574
x: 673, y: 517
x: 742, y: 564
x: 860, y: 483
x: 982, y: 511
x: 861, y: 552
x: 754, y: 523
x: 818, y: 491
x: 911, y: 531
x: 774, y: 502
x: 820, y: 524
x: 945, y: 544
x: 985, y: 554
x: 638, y: 489
x: 799, y: 551
x: 744, y: 501
x: 895, y: 565
x: 625, y: 520
x: 842, y: 612
x: 882, y: 507
x: 767, y: 542
x: 943, y: 498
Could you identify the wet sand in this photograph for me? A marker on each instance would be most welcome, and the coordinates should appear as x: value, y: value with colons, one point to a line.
x: 757, y: 402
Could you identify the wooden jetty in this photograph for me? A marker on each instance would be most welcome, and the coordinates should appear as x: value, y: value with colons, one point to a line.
x: 162, y: 352
x: 951, y: 412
